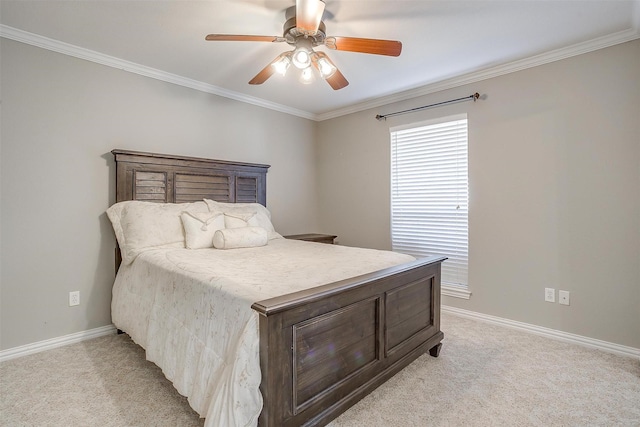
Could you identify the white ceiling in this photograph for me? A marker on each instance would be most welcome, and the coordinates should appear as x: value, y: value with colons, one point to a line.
x: 442, y: 40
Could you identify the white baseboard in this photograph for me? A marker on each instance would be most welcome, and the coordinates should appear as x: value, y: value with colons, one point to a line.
x: 52, y: 343
x: 546, y: 332
x: 618, y: 349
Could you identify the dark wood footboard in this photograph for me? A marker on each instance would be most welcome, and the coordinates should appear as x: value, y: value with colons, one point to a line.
x: 323, y: 349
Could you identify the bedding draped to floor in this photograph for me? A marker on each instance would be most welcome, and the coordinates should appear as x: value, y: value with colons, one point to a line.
x: 166, y: 300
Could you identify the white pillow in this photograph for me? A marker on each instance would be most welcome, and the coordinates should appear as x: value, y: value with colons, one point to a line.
x: 115, y: 214
x: 237, y: 207
x: 238, y: 220
x: 245, y: 237
x: 144, y: 225
x: 262, y: 215
x: 199, y: 228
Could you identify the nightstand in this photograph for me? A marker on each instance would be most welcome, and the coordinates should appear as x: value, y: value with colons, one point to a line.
x: 313, y: 237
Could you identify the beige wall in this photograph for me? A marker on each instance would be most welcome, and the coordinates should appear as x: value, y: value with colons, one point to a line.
x: 554, y: 169
x: 61, y: 117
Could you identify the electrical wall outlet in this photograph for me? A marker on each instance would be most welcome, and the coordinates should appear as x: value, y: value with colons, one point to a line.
x: 563, y: 297
x: 549, y: 295
x: 74, y: 298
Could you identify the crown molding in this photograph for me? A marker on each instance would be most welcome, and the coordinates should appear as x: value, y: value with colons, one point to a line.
x: 473, y: 77
x: 477, y: 76
x: 131, y: 67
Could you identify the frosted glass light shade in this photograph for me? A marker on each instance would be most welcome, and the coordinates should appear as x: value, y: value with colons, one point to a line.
x: 282, y: 65
x: 326, y: 68
x: 307, y: 76
x: 301, y: 57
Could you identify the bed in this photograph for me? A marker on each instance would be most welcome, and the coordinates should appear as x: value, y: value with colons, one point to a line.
x: 321, y: 343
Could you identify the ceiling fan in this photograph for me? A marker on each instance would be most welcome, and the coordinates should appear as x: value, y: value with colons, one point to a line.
x: 303, y: 29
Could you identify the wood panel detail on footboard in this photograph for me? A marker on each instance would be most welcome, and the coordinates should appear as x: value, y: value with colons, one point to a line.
x: 323, y: 349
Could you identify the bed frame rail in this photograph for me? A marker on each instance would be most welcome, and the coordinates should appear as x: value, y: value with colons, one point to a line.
x: 322, y: 350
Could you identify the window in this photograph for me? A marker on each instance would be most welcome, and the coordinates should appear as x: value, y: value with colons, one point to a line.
x: 429, y: 196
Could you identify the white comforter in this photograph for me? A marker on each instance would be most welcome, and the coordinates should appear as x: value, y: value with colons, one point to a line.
x: 191, y: 311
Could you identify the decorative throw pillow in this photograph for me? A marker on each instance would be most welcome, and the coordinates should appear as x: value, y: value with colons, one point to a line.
x: 200, y: 227
x: 262, y: 215
x: 245, y: 237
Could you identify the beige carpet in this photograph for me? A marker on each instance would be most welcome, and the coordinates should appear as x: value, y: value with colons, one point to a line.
x: 485, y: 376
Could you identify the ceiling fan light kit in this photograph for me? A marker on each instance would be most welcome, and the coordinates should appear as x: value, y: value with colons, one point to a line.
x: 302, y: 53
x: 306, y: 77
x: 282, y: 63
x: 304, y: 30
x: 326, y: 68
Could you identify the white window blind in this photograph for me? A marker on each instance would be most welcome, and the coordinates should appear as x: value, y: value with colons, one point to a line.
x: 429, y: 196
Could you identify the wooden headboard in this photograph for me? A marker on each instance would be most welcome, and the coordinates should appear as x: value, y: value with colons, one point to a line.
x: 166, y: 178
x: 176, y: 179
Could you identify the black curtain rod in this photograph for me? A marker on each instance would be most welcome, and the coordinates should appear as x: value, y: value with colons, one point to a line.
x: 475, y: 97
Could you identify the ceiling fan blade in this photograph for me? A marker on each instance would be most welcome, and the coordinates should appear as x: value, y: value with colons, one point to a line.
x: 243, y: 38
x: 266, y: 72
x: 373, y: 46
x: 336, y: 80
x: 308, y: 15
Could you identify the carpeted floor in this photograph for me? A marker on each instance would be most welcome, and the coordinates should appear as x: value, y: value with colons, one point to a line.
x: 486, y: 375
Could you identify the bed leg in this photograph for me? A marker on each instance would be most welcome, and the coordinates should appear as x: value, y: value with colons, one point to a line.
x: 119, y: 331
x: 435, y: 350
